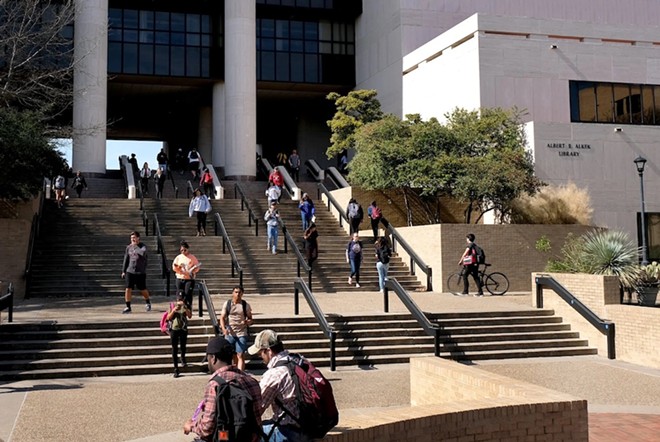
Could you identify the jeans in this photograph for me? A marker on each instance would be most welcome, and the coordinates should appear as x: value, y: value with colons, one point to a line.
x: 305, y: 221
x: 272, y: 238
x: 382, y: 274
x: 285, y: 433
x: 355, y: 268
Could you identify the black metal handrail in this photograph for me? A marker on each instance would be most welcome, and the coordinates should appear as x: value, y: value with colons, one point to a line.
x: 190, y: 190
x: 226, y: 244
x: 299, y: 285
x: 336, y: 177
x: 246, y: 204
x: 204, y: 297
x: 605, y: 327
x: 34, y: 235
x: 415, y: 259
x: 145, y: 222
x: 7, y: 302
x: 314, y: 170
x: 302, y: 263
x: 171, y: 178
x: 165, y: 272
x: 321, y: 189
x: 430, y: 328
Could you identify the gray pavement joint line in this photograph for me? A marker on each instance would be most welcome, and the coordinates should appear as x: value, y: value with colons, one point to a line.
x: 16, y: 414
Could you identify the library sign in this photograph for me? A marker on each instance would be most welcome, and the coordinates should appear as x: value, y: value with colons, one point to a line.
x: 569, y: 149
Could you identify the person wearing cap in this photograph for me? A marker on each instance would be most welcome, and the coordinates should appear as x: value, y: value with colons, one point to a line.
x: 219, y: 355
x: 200, y: 206
x: 185, y: 267
x: 178, y: 314
x: 277, y: 387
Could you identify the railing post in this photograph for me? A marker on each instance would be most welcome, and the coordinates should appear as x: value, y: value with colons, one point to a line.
x: 412, y: 266
x: 429, y: 280
x: 386, y: 300
x: 233, y: 266
x: 240, y: 278
x: 539, y: 294
x: 256, y: 228
x: 333, y: 363
x: 611, y: 348
x: 296, y: 301
x: 310, y: 278
x: 298, y: 268
x: 436, y: 342
x: 199, y: 301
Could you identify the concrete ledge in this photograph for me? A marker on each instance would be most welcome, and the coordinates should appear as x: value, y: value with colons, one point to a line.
x: 451, y: 401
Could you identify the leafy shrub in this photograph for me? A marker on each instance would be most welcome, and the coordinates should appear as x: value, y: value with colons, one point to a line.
x: 553, y: 204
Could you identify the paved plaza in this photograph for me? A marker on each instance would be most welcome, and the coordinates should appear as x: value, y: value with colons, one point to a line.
x: 624, y: 399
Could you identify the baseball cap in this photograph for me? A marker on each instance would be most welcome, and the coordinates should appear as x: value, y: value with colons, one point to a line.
x: 218, y: 345
x: 265, y: 339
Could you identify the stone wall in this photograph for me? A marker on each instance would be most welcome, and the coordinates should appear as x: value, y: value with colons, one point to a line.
x: 452, y: 401
x: 637, y: 328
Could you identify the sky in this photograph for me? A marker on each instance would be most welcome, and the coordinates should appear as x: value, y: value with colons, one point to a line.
x: 143, y: 150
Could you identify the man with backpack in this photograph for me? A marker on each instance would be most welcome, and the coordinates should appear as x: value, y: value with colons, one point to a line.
x: 303, y: 404
x: 235, y: 319
x: 231, y: 408
x: 470, y: 260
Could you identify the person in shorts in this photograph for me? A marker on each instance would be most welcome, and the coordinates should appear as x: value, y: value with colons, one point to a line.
x: 134, y: 271
x: 235, y: 319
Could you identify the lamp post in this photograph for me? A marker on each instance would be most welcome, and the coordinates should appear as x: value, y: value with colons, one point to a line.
x: 640, y: 162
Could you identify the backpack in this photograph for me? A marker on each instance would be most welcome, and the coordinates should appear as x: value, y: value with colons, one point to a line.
x: 353, y: 210
x: 374, y: 212
x: 208, y: 178
x: 193, y: 155
x: 317, y: 409
x: 479, y: 253
x: 234, y: 419
x: 59, y: 182
x: 225, y: 311
x: 165, y: 325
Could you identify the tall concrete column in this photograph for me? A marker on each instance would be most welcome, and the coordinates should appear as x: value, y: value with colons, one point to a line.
x: 240, y: 89
x: 205, y: 134
x: 90, y: 85
x: 219, y: 149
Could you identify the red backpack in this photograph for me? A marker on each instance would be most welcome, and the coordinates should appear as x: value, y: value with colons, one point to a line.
x: 165, y: 325
x: 317, y: 409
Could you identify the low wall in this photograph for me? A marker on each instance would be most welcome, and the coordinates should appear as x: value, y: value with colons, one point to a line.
x: 637, y: 328
x: 451, y: 401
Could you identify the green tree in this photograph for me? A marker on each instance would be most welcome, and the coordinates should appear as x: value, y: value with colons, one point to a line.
x: 353, y: 111
x: 26, y: 155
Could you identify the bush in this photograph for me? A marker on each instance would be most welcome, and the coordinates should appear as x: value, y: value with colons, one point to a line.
x: 553, y: 204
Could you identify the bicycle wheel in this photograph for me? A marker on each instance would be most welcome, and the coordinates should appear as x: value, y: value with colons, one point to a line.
x: 497, y: 283
x: 455, y: 284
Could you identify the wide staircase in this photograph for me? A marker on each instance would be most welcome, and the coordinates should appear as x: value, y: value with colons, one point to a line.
x: 79, y: 255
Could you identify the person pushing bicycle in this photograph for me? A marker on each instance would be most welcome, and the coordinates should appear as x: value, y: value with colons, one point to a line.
x: 470, y: 265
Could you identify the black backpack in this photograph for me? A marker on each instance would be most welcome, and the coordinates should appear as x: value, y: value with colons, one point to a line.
x: 479, y: 252
x: 234, y: 420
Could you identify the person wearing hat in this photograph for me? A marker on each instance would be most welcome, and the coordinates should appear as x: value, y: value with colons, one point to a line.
x: 276, y: 383
x: 200, y: 206
x: 219, y: 355
x: 178, y: 314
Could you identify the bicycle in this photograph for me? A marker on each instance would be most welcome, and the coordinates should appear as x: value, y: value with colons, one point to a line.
x: 496, y: 283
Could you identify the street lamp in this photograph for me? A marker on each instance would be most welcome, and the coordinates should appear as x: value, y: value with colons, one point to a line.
x: 640, y: 162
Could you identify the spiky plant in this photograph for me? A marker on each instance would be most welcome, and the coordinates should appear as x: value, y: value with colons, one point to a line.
x: 612, y: 253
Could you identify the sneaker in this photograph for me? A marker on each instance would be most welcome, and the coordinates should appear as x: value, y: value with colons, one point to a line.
x: 184, y: 363
x: 479, y: 295
x: 350, y: 281
x: 357, y: 284
x: 147, y: 307
x: 274, y: 252
x: 126, y: 310
x: 176, y: 373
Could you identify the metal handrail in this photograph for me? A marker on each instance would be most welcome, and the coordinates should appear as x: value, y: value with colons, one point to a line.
x: 336, y: 177
x: 204, y: 297
x: 171, y: 177
x: 314, y: 170
x: 145, y: 222
x: 165, y: 272
x: 414, y: 257
x: 321, y: 189
x: 302, y: 263
x: 430, y: 328
x: 226, y: 244
x: 298, y: 285
x: 7, y: 302
x: 605, y: 327
x: 190, y: 190
x: 246, y: 204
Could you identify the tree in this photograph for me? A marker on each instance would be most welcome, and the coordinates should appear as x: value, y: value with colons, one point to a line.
x: 477, y: 157
x: 353, y: 111
x: 26, y: 154
x: 36, y: 62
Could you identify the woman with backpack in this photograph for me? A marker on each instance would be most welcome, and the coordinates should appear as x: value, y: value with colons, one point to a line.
x: 354, y: 257
x: 207, y: 183
x: 374, y: 213
x: 178, y: 315
x: 354, y: 214
x: 383, y: 255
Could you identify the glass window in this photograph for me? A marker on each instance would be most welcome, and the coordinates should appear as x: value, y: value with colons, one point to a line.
x: 267, y: 44
x: 604, y: 103
x: 130, y: 59
x: 282, y: 45
x: 130, y: 35
x: 178, y: 38
x: 648, y: 110
x: 146, y: 19
x: 163, y: 21
x: 146, y: 59
x: 302, y: 3
x: 282, y: 29
x: 146, y: 37
x: 312, y: 46
x: 325, y: 31
x: 162, y: 62
x: 653, y: 234
x: 130, y: 19
x: 193, y: 23
x: 297, y: 30
x: 297, y: 46
x: 114, y: 34
x: 206, y: 62
x: 267, y: 28
x: 311, y: 68
x: 325, y: 47
x: 282, y: 63
x: 297, y: 68
x: 621, y: 103
x: 656, y: 98
x: 267, y: 66
x: 311, y: 31
x: 114, y: 57
x: 192, y: 62
x: 177, y: 60
x: 192, y: 39
x: 115, y: 18
x: 206, y: 40
x: 206, y: 24
x: 178, y: 22
x: 163, y: 37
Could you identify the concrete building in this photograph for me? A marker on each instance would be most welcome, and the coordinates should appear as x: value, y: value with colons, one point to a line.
x: 237, y: 77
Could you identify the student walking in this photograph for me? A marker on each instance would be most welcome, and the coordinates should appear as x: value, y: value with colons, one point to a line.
x: 185, y: 267
x: 200, y: 206
x: 178, y: 314
x: 272, y: 218
x: 235, y: 319
x: 375, y: 215
x: 294, y: 165
x: 354, y: 213
x: 159, y: 180
x: 145, y: 174
x: 383, y: 255
x: 311, y: 244
x: 79, y: 183
x: 307, y: 211
x: 134, y: 270
x: 470, y: 266
x: 354, y: 257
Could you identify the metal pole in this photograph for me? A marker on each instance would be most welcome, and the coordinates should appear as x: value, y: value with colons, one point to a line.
x: 645, y: 258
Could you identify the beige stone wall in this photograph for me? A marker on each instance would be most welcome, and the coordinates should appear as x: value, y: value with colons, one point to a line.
x: 637, y: 328
x: 13, y: 247
x: 451, y: 401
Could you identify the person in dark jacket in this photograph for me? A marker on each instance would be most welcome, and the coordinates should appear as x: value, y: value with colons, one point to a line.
x: 383, y: 255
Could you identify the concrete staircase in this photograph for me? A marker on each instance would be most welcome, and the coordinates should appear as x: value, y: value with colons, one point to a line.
x: 59, y: 350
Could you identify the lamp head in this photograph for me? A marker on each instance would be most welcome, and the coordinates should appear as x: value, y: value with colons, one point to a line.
x: 640, y: 162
